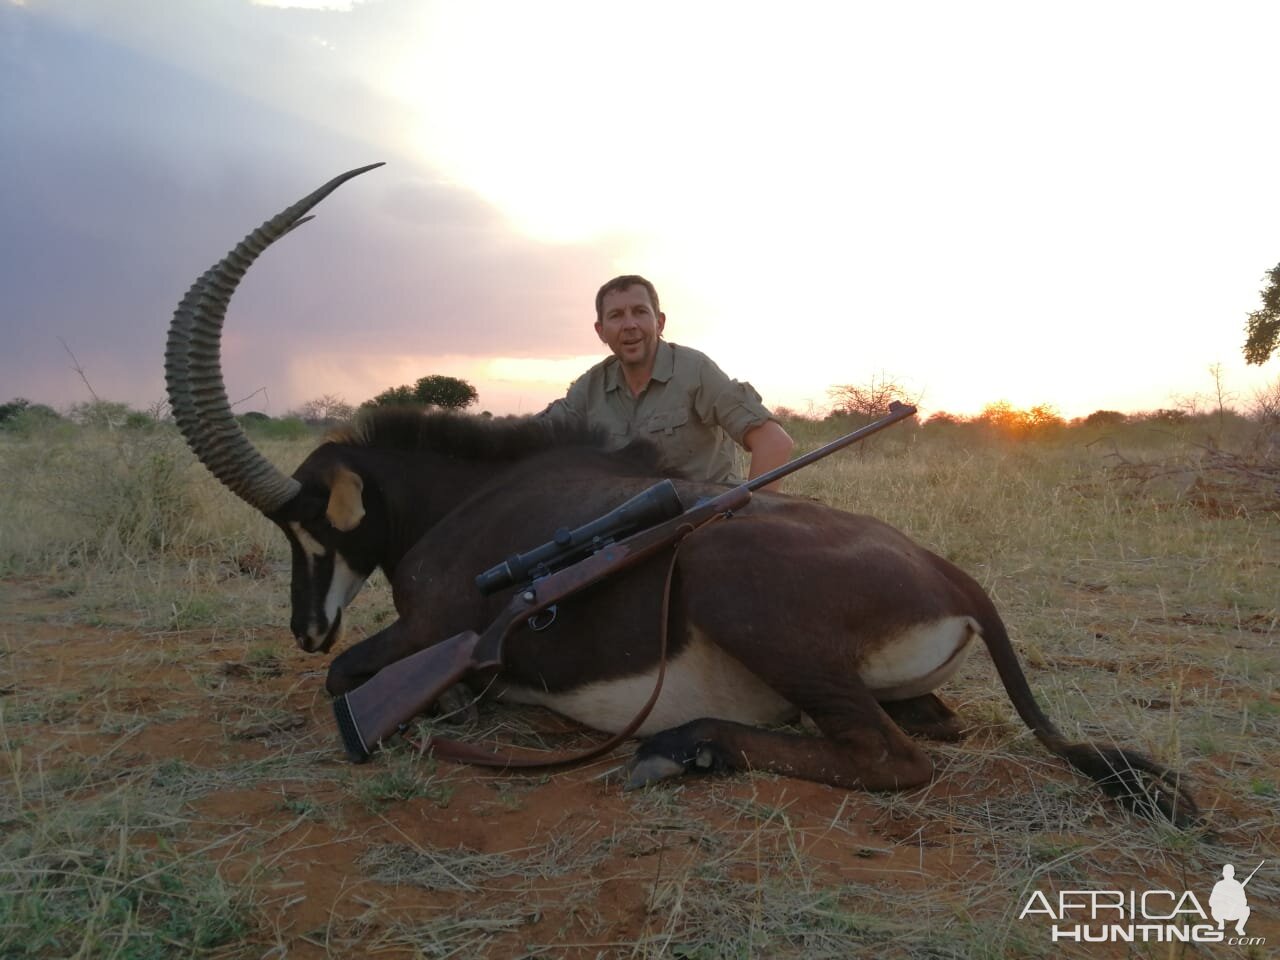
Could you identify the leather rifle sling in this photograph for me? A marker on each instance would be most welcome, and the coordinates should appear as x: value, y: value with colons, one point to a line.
x: 460, y: 752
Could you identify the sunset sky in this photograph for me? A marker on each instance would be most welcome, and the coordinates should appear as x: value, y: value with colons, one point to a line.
x: 1072, y: 204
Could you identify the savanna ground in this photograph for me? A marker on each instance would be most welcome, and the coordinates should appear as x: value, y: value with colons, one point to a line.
x: 171, y: 782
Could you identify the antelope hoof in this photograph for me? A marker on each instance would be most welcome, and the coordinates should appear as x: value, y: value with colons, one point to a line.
x: 651, y: 769
x: 674, y: 752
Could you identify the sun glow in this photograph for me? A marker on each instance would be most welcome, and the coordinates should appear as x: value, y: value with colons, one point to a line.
x: 591, y: 131
x: 817, y: 206
x: 1054, y: 204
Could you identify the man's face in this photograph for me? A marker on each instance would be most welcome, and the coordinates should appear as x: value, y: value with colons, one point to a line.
x: 630, y: 327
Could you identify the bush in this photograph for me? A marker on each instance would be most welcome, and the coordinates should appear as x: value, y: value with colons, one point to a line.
x: 91, y: 495
x: 1165, y: 416
x: 1104, y: 418
x: 31, y: 419
x: 103, y: 414
x: 286, y: 428
x: 13, y: 408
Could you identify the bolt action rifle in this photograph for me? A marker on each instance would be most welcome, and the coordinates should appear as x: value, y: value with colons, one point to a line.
x: 572, y: 561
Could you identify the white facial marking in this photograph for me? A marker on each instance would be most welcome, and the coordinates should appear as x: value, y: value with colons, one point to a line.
x: 920, y: 659
x: 701, y: 681
x: 344, y: 586
x: 310, y: 545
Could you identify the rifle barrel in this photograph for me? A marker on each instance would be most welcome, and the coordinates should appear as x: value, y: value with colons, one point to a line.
x: 897, y: 411
x: 1255, y: 870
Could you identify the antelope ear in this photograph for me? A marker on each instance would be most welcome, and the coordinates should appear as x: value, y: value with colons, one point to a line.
x: 346, y: 505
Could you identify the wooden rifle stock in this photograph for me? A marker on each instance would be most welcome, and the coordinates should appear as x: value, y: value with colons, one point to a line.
x: 376, y: 709
x: 385, y: 702
x: 400, y: 691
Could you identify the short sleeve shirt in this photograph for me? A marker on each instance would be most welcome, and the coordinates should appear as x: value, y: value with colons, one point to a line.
x: 691, y: 410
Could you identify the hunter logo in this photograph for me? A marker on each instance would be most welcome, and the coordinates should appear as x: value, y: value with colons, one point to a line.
x: 1148, y: 916
x: 1228, y: 900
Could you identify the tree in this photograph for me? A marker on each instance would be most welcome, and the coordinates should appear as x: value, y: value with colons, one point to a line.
x: 435, y: 390
x: 1263, y: 327
x: 870, y: 399
x: 448, y: 392
x: 1003, y: 417
x: 1266, y: 404
x: 1042, y: 417
x: 328, y: 408
x: 392, y: 397
x: 103, y: 414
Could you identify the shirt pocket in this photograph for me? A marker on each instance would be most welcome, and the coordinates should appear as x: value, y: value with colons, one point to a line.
x: 676, y: 438
x: 666, y: 423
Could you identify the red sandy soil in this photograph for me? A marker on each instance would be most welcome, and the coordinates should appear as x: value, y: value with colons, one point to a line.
x: 198, y: 697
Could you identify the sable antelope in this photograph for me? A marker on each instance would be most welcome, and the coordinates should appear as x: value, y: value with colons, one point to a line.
x: 788, y: 607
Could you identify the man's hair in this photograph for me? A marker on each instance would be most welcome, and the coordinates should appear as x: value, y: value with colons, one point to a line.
x: 622, y: 283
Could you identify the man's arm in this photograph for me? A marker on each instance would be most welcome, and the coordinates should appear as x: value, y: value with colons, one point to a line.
x: 571, y: 409
x: 770, y: 447
x: 735, y: 407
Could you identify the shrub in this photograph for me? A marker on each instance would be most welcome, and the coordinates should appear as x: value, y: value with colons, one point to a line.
x: 31, y: 419
x: 286, y: 428
x: 1104, y: 418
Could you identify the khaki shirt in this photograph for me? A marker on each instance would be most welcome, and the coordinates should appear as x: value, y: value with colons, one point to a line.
x: 690, y: 410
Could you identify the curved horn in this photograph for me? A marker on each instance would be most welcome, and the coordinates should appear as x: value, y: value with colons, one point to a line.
x: 193, y: 366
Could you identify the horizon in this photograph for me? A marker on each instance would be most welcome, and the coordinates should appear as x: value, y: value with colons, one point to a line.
x: 1192, y: 408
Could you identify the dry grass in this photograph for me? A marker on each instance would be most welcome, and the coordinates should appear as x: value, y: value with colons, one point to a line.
x: 171, y: 785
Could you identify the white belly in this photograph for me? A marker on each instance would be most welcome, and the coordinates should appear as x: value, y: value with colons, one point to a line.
x: 701, y: 681
x: 919, y: 659
x: 705, y: 681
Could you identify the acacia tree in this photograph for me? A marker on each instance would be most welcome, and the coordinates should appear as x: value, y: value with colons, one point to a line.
x: 328, y: 408
x: 870, y: 399
x: 400, y: 396
x: 1012, y: 422
x: 1266, y: 404
x: 448, y: 392
x: 435, y: 390
x: 1263, y: 327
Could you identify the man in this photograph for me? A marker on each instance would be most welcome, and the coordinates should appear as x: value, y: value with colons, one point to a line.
x: 674, y: 396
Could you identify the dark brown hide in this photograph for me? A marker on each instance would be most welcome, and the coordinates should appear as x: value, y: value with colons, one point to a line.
x: 800, y: 596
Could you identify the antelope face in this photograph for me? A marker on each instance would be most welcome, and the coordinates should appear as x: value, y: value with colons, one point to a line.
x: 333, y: 541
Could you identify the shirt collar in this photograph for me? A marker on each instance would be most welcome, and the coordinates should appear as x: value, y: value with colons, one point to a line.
x: 664, y: 365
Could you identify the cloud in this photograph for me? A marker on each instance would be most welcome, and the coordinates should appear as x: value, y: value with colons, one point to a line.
x: 993, y: 203
x: 134, y: 175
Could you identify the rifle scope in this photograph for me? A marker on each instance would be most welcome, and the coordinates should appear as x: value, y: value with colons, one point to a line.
x: 652, y: 506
